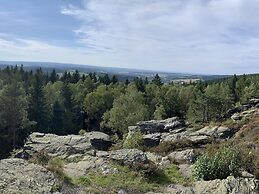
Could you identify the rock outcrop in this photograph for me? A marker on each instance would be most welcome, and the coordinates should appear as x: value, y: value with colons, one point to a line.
x: 247, y: 110
x: 129, y: 156
x: 20, y: 177
x: 155, y: 126
x: 65, y: 146
x: 230, y: 185
x: 185, y: 156
x: 82, y: 166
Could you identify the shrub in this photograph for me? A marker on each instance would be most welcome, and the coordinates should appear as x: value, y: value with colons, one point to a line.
x: 225, y: 162
x: 166, y: 147
x: 42, y: 158
x: 82, y: 132
x: 134, y: 141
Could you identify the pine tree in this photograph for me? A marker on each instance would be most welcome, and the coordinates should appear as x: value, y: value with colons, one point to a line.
x: 13, y: 109
x: 157, y: 80
x: 38, y: 109
x: 53, y: 76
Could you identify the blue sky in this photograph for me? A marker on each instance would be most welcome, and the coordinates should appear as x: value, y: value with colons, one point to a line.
x: 198, y: 36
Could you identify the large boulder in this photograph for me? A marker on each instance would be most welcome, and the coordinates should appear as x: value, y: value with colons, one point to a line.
x: 152, y: 140
x: 64, y: 146
x: 208, y: 132
x: 129, y: 156
x: 185, y: 156
x: 87, y: 163
x: 155, y: 126
x: 99, y: 140
x: 20, y: 177
x: 246, y: 114
x: 230, y: 185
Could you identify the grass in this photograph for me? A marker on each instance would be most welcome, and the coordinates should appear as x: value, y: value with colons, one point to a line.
x: 131, y: 180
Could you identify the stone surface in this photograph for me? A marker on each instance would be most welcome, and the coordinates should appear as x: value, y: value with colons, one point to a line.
x: 64, y: 146
x: 129, y: 156
x: 20, y: 177
x: 219, y: 132
x: 230, y: 185
x: 245, y: 114
x: 178, y: 189
x: 152, y: 140
x: 86, y: 164
x: 186, y: 170
x: 185, y: 156
x: 157, y: 159
x: 155, y: 126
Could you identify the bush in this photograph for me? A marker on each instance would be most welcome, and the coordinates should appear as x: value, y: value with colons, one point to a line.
x: 134, y: 141
x: 225, y: 162
x: 82, y: 132
x: 42, y: 158
x: 166, y: 147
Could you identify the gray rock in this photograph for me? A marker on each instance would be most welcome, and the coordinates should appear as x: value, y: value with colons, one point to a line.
x: 157, y: 159
x: 86, y: 164
x: 185, y: 156
x: 178, y: 189
x: 64, y: 146
x: 20, y: 177
x: 155, y: 126
x: 99, y: 140
x: 246, y: 114
x: 230, y: 185
x: 185, y: 170
x: 208, y: 132
x: 152, y: 140
x: 129, y: 156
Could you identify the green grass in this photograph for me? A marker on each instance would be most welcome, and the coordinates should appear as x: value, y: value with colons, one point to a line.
x: 129, y: 179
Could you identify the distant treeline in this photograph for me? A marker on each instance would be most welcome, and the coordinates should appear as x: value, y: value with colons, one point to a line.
x: 49, y: 103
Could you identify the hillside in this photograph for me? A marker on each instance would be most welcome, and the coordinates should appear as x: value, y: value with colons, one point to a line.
x: 166, y: 159
x: 78, y: 133
x: 122, y: 73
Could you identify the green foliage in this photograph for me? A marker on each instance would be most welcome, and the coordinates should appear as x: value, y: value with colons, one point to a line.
x: 56, y: 166
x: 133, y: 180
x: 127, y: 110
x: 157, y: 80
x: 13, y: 110
x: 225, y: 162
x: 160, y: 113
x: 125, y: 179
x: 135, y: 140
x: 82, y: 132
x: 42, y: 158
x: 170, y: 174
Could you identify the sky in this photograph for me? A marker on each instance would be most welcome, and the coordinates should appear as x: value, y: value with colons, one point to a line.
x: 193, y: 36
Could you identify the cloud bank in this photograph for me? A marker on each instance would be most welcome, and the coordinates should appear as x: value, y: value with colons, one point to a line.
x: 198, y: 36
x: 181, y: 35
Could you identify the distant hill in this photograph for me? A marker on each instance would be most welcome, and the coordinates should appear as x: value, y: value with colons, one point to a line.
x: 122, y: 73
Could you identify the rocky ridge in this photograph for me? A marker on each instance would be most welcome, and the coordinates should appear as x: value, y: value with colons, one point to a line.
x: 90, y: 152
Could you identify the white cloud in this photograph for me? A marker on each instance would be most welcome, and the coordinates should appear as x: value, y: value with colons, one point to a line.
x: 215, y: 36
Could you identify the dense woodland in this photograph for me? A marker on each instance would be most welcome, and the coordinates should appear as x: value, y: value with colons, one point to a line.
x: 49, y: 103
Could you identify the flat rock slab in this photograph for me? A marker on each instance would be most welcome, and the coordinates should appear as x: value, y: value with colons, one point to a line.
x: 20, y: 177
x: 64, y: 146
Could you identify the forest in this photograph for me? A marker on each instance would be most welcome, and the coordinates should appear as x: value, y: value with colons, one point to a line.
x: 64, y: 104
